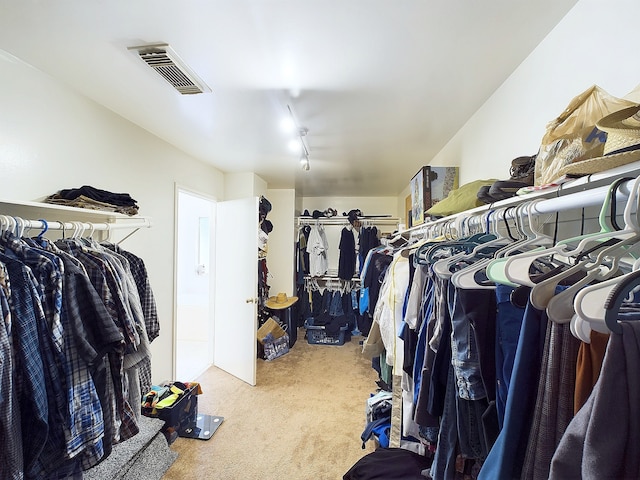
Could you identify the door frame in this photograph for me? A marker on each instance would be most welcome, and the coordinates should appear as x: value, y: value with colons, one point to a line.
x: 174, y: 344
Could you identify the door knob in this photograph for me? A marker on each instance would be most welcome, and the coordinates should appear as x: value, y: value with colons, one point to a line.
x: 251, y: 300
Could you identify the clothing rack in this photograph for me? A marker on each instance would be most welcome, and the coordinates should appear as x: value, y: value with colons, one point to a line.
x: 332, y: 283
x: 72, y: 220
x: 566, y: 197
x: 20, y: 226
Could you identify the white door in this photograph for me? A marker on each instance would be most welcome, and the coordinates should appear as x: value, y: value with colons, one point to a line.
x: 236, y: 310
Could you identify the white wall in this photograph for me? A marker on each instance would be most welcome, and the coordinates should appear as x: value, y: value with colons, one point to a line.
x: 243, y: 185
x: 51, y: 138
x: 594, y: 44
x: 281, y: 245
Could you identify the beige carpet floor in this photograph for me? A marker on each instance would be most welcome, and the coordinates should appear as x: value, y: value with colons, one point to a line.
x: 302, y: 420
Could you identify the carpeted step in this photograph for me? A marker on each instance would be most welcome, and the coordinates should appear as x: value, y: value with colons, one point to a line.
x: 147, y: 455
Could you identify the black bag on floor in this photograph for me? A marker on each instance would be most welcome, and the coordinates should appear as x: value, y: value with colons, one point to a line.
x: 389, y: 464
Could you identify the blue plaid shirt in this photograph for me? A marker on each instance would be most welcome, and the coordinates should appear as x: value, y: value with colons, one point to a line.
x: 11, y: 459
x: 102, y: 277
x: 31, y: 383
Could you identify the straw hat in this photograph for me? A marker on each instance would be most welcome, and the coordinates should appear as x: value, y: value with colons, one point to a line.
x: 280, y: 301
x: 622, y: 145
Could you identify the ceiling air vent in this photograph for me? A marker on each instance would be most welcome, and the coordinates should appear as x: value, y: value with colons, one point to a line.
x: 168, y: 64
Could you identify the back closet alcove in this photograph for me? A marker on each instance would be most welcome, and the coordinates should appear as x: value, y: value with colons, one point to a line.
x: 330, y: 256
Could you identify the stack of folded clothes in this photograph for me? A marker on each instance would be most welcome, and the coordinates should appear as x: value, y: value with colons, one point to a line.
x: 95, y: 199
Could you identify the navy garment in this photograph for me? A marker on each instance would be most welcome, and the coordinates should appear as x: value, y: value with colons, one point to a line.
x: 473, y: 321
x: 441, y: 362
x: 32, y: 392
x: 444, y: 459
x: 368, y: 240
x: 423, y: 367
x: 347, y: 259
x: 506, y: 458
x: 374, y: 276
x: 508, y: 322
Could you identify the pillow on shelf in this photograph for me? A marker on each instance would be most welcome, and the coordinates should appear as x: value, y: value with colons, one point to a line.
x: 460, y: 199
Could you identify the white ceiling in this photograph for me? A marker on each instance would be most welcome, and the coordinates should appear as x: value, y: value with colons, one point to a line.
x: 381, y: 85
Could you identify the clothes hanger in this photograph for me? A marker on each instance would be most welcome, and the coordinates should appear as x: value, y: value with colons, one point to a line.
x: 421, y: 254
x: 484, y: 248
x: 538, y: 239
x: 596, y: 270
x: 468, y: 276
x: 11, y: 224
x: 589, y: 303
x: 560, y: 307
x: 520, y: 264
x: 622, y: 292
x: 45, y: 227
x: 467, y: 246
x: 20, y: 226
x: 462, y: 244
x: 580, y: 329
x: 494, y: 269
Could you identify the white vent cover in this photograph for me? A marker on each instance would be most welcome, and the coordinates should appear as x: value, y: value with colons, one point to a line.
x: 168, y: 64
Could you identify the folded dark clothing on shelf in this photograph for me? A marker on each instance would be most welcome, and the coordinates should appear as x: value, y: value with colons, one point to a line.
x: 120, y: 199
x: 88, y: 203
x: 95, y: 199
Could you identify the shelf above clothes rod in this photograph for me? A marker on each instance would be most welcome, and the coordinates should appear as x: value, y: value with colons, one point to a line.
x: 44, y: 216
x: 582, y: 192
x: 342, y: 220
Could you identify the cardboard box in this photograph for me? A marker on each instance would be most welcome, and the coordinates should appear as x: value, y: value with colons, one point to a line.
x: 270, y: 327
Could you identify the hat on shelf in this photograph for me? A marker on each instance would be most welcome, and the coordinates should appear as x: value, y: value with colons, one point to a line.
x: 266, y: 226
x: 621, y: 147
x: 317, y: 214
x: 280, y: 301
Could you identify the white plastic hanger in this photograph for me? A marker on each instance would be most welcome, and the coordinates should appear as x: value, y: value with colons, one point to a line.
x: 519, y: 264
x: 534, y: 238
x: 467, y: 277
x: 495, y: 270
x: 543, y: 293
x: 442, y: 267
x: 590, y: 302
x: 580, y: 329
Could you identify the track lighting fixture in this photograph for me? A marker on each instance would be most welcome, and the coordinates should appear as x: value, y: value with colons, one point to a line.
x: 297, y: 144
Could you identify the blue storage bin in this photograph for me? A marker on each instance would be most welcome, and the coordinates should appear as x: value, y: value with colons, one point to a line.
x: 317, y: 335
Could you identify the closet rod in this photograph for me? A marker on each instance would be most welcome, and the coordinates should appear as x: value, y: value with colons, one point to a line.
x: 585, y: 198
x: 70, y: 226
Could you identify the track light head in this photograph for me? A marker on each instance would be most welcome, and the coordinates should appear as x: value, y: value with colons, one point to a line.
x: 304, y: 162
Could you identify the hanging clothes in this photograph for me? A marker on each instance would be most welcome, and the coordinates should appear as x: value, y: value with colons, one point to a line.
x: 74, y: 322
x: 601, y: 440
x: 347, y: 258
x: 317, y: 247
